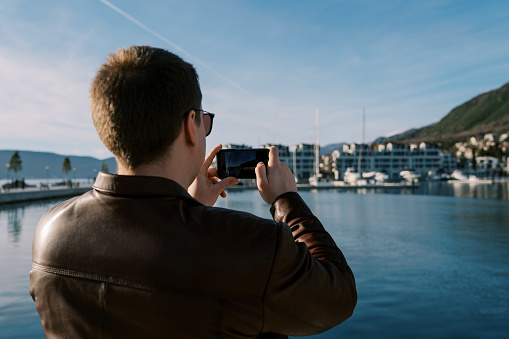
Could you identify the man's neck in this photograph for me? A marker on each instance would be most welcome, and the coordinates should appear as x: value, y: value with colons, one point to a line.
x: 175, y: 168
x: 155, y: 170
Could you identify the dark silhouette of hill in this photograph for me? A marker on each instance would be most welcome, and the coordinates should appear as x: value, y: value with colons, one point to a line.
x: 34, y: 165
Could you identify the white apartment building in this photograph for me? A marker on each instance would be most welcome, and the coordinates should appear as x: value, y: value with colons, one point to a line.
x: 487, y: 166
x: 236, y: 146
x: 303, y: 162
x: 449, y: 162
x: 391, y: 159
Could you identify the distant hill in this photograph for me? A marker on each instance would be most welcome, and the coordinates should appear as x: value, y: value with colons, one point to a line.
x: 34, y: 165
x: 331, y: 148
x: 486, y: 113
x: 381, y: 140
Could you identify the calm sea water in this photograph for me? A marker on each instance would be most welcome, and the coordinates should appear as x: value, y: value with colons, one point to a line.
x: 426, y: 265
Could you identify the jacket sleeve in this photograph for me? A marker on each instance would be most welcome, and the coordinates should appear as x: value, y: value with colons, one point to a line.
x: 311, y: 288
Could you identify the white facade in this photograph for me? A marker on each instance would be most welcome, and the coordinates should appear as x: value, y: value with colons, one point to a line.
x: 235, y: 146
x: 391, y: 159
x: 303, y: 161
x: 449, y: 162
x: 487, y: 166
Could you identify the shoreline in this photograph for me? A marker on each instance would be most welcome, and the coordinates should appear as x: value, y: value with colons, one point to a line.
x: 31, y: 194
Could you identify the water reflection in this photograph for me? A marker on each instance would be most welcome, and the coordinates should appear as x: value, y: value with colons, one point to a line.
x: 495, y: 191
x: 14, y: 214
x: 14, y: 222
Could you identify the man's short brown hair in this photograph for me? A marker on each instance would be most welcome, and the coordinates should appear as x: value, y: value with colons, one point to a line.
x: 138, y: 99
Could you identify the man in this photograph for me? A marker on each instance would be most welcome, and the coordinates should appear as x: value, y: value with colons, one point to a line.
x: 144, y: 255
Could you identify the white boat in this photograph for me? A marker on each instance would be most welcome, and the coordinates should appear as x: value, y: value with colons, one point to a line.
x: 458, y: 175
x: 318, y: 180
x: 433, y: 176
x: 472, y: 178
x: 411, y: 176
x: 378, y: 177
x: 351, y: 177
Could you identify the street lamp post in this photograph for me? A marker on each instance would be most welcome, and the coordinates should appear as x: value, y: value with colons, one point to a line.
x: 47, y: 175
x: 6, y: 176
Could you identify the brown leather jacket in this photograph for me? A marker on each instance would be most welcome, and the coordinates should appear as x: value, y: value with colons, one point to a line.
x: 138, y: 257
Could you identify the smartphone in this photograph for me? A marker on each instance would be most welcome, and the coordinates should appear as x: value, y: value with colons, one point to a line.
x: 240, y: 163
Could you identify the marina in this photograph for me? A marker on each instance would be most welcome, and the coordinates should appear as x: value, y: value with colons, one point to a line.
x: 500, y: 187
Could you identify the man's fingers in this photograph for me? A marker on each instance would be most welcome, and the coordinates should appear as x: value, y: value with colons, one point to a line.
x: 210, y: 157
x: 261, y: 174
x: 211, y: 172
x: 273, y: 156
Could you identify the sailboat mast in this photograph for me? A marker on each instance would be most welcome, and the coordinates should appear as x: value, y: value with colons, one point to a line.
x: 317, y: 146
x: 363, y: 136
x: 273, y: 125
x: 363, y: 124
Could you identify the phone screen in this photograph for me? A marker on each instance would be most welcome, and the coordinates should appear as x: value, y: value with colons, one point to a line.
x: 240, y: 163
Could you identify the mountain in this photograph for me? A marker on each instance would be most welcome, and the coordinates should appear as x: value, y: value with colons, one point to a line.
x: 34, y: 165
x: 486, y: 113
x: 331, y: 148
x: 381, y: 140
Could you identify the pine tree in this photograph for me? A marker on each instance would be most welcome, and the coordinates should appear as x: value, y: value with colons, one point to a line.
x: 66, y: 167
x: 15, y: 164
x: 104, y: 167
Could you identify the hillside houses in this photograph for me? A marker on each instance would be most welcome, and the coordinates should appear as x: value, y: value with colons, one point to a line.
x: 484, y: 157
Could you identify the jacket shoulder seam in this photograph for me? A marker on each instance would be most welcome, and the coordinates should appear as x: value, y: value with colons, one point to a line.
x: 94, y: 277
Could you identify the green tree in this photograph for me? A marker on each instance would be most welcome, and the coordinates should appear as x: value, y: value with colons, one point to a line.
x: 104, y: 167
x: 15, y: 164
x: 66, y: 167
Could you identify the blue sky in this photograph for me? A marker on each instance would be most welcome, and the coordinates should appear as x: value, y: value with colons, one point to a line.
x: 408, y: 63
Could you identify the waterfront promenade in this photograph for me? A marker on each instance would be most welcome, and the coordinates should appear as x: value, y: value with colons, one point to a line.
x: 332, y: 185
x: 36, y: 193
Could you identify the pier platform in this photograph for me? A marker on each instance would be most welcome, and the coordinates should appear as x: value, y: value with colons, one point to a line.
x: 30, y: 194
x: 336, y: 185
x: 341, y: 186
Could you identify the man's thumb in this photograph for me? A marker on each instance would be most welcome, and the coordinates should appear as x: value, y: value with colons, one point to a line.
x: 227, y: 182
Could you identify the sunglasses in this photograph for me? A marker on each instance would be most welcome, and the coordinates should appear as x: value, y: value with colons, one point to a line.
x: 208, y: 119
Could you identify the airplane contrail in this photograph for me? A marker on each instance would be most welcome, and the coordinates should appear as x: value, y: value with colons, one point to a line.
x: 174, y: 45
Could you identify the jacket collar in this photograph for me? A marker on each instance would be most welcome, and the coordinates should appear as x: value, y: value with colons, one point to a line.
x: 131, y: 185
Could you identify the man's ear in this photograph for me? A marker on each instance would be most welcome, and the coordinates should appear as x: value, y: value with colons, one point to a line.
x: 190, y: 128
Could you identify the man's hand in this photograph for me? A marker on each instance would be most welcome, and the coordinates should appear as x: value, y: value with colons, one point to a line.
x: 207, y: 187
x: 275, y: 179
